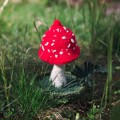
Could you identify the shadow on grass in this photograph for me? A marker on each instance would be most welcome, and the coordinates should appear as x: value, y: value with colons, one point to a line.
x: 115, y: 113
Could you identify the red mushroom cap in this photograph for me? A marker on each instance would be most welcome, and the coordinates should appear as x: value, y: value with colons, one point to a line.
x: 58, y: 45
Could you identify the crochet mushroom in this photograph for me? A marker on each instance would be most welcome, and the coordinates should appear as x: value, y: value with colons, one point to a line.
x: 58, y: 47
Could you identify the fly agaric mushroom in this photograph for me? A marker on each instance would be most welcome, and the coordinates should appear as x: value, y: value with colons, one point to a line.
x: 58, y: 48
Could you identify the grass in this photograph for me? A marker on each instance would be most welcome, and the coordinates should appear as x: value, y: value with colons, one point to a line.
x: 21, y: 96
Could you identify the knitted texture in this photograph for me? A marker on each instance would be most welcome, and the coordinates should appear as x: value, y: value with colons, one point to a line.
x: 58, y: 45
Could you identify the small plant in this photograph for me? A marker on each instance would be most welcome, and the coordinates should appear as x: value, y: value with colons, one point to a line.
x: 92, y: 113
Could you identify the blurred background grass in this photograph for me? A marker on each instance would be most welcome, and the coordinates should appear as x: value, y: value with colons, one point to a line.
x: 95, y: 27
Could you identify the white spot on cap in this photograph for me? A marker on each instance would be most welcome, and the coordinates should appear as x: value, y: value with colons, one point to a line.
x: 64, y: 37
x: 52, y: 44
x: 67, y: 31
x: 68, y: 53
x: 73, y: 34
x: 72, y: 40
x: 54, y: 35
x: 56, y: 56
x: 44, y: 35
x: 61, y: 52
x: 46, y: 43
x: 53, y: 40
x: 43, y: 48
x: 69, y: 45
x: 48, y: 50
x: 64, y: 28
x: 57, y: 29
x: 54, y: 51
x: 66, y: 49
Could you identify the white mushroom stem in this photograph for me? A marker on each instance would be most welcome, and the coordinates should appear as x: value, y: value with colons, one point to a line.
x: 57, y: 76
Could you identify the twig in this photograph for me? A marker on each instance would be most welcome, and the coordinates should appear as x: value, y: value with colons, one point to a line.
x: 3, y: 6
